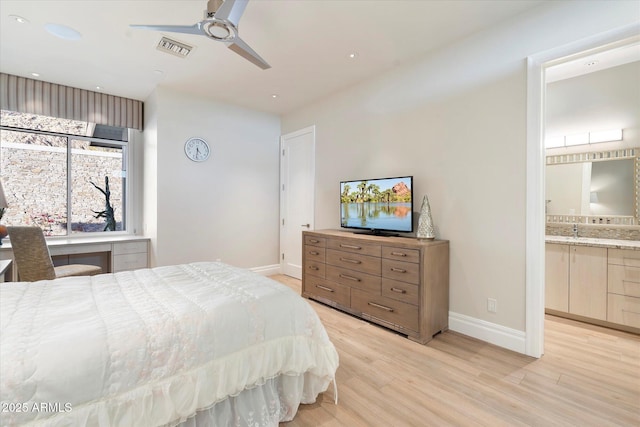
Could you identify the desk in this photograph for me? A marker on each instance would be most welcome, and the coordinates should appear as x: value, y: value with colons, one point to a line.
x: 112, y: 253
x: 5, y: 270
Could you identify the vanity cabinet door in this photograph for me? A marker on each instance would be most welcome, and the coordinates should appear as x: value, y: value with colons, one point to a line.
x: 556, y: 291
x: 588, y: 281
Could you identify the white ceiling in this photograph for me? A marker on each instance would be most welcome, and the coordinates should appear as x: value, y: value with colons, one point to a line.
x: 307, y: 43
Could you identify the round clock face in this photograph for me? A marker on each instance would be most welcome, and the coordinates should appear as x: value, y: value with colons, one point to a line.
x: 197, y: 149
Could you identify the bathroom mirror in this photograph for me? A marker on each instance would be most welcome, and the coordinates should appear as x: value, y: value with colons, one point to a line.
x: 599, y: 191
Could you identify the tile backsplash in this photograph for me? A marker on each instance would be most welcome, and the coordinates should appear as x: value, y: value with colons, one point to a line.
x: 598, y: 231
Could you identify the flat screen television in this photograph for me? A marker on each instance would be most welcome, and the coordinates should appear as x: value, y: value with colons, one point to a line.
x: 381, y: 206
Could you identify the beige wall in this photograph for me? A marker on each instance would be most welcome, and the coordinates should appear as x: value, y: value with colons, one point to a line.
x: 456, y: 120
x: 224, y: 208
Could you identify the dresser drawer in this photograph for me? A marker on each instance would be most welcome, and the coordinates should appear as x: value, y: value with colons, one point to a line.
x: 401, y: 291
x: 354, y: 246
x: 129, y: 262
x: 401, y: 254
x: 624, y: 280
x: 315, y: 241
x: 353, y: 261
x: 315, y: 268
x: 403, y: 271
x: 335, y: 292
x: 314, y: 253
x: 387, y: 309
x: 624, y: 310
x: 354, y: 279
x: 626, y: 257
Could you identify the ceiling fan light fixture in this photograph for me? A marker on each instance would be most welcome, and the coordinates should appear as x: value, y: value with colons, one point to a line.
x: 221, y: 24
x: 219, y: 30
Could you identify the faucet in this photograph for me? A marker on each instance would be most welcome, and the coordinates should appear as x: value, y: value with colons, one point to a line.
x: 575, y: 231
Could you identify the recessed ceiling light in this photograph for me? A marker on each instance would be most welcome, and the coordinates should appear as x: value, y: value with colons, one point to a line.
x: 35, y: 74
x: 19, y: 19
x: 98, y: 87
x: 63, y: 32
x: 275, y: 95
x: 353, y: 55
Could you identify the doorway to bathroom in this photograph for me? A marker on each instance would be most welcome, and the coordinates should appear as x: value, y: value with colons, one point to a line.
x: 552, y: 74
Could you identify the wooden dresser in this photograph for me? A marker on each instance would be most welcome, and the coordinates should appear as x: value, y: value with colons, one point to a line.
x: 397, y: 282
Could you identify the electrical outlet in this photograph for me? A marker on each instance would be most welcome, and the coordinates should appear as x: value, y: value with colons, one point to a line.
x: 492, y: 305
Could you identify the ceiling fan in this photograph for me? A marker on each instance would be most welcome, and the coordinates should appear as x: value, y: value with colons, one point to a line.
x: 220, y: 24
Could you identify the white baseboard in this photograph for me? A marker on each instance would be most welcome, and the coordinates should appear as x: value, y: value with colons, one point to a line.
x: 499, y: 335
x: 267, y: 270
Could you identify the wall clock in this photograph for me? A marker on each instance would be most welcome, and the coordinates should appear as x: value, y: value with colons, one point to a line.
x: 197, y: 149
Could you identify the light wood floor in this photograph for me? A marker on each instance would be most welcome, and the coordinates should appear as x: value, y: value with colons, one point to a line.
x: 589, y: 376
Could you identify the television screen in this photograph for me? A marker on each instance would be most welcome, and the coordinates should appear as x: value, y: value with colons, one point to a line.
x: 382, y: 204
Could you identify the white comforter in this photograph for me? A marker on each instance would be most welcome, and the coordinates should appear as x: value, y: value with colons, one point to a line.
x: 151, y: 347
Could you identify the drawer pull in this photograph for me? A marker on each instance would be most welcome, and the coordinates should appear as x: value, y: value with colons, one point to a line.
x: 398, y: 254
x: 324, y: 288
x: 400, y: 291
x: 343, y: 245
x: 352, y: 261
x: 373, y: 304
x: 313, y: 267
x: 398, y: 270
x: 314, y: 241
x: 314, y: 253
x: 344, y: 276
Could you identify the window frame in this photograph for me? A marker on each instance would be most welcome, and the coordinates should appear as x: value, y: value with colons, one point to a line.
x: 128, y: 226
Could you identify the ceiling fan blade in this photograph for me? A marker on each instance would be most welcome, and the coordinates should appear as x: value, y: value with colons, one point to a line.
x: 243, y: 49
x: 231, y: 10
x: 185, y: 29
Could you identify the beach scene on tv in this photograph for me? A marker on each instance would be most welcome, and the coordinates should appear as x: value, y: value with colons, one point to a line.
x: 380, y: 204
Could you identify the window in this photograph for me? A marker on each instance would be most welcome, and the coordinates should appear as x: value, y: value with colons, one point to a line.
x: 59, y: 176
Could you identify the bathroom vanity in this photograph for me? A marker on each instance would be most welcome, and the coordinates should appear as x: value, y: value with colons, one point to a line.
x: 594, y: 280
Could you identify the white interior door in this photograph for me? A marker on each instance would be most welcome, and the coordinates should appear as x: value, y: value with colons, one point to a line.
x: 297, y: 190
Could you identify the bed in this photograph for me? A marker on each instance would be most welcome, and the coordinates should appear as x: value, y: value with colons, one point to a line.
x: 201, y: 344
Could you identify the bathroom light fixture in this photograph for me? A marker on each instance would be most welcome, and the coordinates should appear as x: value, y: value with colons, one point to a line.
x: 35, y: 74
x: 576, y: 139
x: 605, y: 136
x: 554, y: 142
x: 583, y: 138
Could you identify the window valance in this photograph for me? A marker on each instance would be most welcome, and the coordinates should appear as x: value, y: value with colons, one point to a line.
x: 49, y: 99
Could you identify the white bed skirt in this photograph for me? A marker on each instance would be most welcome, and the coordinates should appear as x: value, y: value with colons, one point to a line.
x: 265, y: 406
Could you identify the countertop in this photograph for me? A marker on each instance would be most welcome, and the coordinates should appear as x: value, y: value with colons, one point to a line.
x: 591, y: 241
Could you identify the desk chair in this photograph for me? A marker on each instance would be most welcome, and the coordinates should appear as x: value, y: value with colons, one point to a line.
x: 33, y: 260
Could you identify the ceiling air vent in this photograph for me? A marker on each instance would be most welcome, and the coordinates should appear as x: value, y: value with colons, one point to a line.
x: 173, y: 47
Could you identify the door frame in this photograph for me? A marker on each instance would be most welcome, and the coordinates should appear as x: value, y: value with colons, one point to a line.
x: 283, y: 194
x: 535, y: 218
